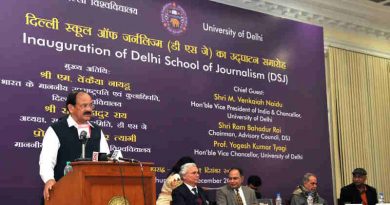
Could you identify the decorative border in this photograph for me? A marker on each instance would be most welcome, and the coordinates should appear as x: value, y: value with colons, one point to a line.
x: 335, y: 16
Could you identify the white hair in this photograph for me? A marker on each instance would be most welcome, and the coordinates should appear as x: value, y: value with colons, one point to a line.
x: 184, y: 168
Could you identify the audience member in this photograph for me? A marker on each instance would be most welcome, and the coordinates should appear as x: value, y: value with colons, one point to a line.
x: 173, y: 180
x: 188, y: 193
x: 358, y: 192
x: 235, y: 194
x: 254, y: 182
x: 308, y: 187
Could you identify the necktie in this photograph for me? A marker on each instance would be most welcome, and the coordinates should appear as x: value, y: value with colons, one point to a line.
x: 195, y: 191
x: 238, y: 198
x: 198, y: 199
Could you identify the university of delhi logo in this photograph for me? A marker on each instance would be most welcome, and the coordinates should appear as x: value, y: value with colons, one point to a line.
x: 174, y: 18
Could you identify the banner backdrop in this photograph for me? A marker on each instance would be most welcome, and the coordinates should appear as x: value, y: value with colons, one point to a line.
x: 227, y: 86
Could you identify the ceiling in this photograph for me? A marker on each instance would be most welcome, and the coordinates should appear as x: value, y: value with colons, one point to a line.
x: 368, y: 17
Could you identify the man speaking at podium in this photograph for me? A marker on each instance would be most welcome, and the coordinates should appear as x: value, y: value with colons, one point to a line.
x: 61, y: 142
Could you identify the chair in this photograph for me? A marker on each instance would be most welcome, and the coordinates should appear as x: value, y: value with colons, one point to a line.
x: 211, y: 194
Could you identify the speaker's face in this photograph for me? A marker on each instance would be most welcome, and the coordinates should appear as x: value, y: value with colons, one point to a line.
x: 82, y: 111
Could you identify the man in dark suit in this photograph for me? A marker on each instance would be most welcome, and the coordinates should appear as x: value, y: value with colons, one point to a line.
x: 235, y: 194
x: 358, y: 192
x: 189, y: 193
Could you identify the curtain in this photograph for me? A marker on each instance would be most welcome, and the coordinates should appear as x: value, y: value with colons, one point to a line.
x: 358, y: 88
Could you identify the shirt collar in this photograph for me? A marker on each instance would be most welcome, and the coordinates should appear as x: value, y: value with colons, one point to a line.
x: 234, y: 189
x: 190, y: 187
x: 72, y: 122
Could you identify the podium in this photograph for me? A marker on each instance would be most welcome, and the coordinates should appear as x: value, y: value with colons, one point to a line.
x: 101, y: 183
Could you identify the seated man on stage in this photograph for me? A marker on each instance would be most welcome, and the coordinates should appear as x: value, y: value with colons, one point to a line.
x: 173, y: 181
x: 358, y: 192
x: 309, y: 187
x: 61, y: 141
x: 189, y: 193
x: 235, y: 194
x: 254, y: 182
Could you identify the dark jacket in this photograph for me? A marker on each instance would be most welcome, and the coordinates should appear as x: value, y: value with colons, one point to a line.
x: 183, y: 196
x: 300, y: 194
x: 70, y: 148
x: 351, y: 195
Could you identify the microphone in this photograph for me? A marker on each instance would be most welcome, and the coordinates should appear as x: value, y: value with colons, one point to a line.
x: 117, y: 156
x: 129, y: 160
x: 83, y: 139
x: 83, y: 135
x: 108, y: 157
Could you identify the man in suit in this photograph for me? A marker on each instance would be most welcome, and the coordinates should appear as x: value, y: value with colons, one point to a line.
x: 189, y: 193
x: 235, y: 194
x: 358, y: 192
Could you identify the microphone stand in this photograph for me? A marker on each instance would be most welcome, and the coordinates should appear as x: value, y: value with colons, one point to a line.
x: 83, y: 150
x: 84, y: 141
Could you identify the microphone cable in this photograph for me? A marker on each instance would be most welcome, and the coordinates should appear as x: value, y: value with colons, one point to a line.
x: 142, y: 181
x: 142, y: 174
x: 122, y: 183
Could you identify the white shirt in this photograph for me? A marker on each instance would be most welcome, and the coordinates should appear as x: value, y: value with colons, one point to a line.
x: 50, y: 146
x: 191, y: 187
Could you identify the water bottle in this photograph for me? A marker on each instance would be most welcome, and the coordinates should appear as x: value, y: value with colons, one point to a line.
x: 310, y: 199
x: 278, y: 200
x: 381, y: 198
x: 68, y: 168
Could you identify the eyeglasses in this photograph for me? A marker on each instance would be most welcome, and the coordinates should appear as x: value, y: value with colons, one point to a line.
x: 84, y: 106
